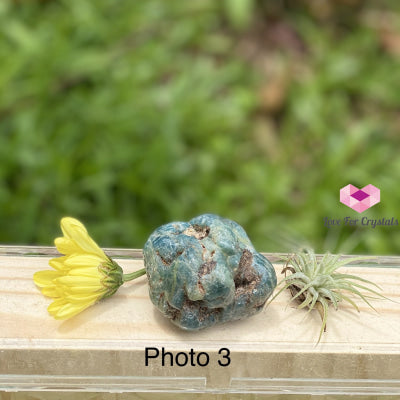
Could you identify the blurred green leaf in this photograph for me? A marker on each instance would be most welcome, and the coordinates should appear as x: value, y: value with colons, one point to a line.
x: 131, y: 114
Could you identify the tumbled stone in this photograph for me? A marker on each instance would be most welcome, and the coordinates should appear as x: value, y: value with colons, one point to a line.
x: 206, y: 271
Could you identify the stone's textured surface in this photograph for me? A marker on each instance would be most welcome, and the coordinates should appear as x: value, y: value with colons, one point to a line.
x: 206, y: 271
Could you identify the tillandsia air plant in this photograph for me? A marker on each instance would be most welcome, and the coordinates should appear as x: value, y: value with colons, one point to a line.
x: 316, y: 284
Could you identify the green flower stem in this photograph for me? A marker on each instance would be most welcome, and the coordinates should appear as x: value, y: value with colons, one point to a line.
x: 133, y: 275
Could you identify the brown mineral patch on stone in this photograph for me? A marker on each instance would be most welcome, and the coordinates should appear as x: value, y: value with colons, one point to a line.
x: 203, y: 311
x: 207, y: 268
x: 161, y: 298
x: 197, y: 231
x: 164, y: 261
x: 246, y: 278
x: 204, y: 251
x: 248, y: 292
x: 201, y: 287
x: 172, y: 312
x: 245, y: 274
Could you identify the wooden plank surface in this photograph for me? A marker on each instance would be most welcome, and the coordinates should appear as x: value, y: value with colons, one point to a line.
x: 110, y: 337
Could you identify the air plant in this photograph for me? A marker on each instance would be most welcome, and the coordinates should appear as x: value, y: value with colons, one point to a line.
x: 316, y: 284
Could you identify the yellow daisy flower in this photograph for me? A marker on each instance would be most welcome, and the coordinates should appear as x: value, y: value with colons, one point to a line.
x: 83, y: 276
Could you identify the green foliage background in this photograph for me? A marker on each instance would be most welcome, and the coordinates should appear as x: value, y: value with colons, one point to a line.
x: 131, y: 114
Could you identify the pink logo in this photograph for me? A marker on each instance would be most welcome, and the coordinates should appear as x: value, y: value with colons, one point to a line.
x: 360, y: 199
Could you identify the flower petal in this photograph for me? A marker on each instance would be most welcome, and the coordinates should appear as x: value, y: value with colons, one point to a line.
x: 67, y: 246
x: 58, y: 263
x: 70, y: 225
x: 83, y: 260
x: 49, y: 291
x: 83, y: 297
x: 62, y: 309
x: 80, y: 278
x: 76, y: 231
x: 46, y: 278
x: 55, y: 305
x: 68, y: 290
x: 79, y: 281
x: 91, y: 272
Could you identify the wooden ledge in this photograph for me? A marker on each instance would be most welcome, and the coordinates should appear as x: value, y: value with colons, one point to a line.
x: 108, y: 340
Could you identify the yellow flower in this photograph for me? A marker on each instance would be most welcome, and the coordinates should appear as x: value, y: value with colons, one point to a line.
x: 83, y: 276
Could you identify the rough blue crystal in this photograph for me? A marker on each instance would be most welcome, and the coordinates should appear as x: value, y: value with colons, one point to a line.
x: 206, y: 271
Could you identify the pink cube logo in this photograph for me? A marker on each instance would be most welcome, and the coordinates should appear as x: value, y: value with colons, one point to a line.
x: 360, y: 199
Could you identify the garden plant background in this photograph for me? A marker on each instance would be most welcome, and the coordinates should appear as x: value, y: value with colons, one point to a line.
x: 130, y: 114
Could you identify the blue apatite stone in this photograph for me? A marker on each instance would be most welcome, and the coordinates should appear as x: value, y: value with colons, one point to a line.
x: 206, y: 271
